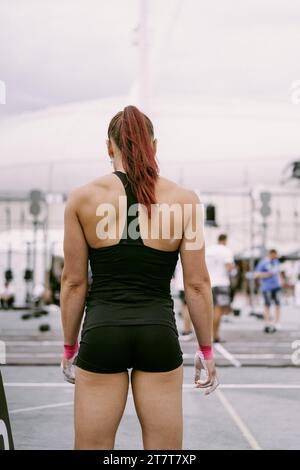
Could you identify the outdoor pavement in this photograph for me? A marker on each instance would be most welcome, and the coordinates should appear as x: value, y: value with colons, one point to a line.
x: 245, y: 343
x: 255, y: 407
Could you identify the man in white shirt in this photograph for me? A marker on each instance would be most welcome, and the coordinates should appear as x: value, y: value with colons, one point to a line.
x: 220, y: 262
x: 297, y: 288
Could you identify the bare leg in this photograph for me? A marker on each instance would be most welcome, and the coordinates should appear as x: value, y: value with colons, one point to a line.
x: 217, y: 321
x: 226, y: 310
x: 100, y: 401
x: 158, y: 402
x: 277, y: 313
x: 267, y: 314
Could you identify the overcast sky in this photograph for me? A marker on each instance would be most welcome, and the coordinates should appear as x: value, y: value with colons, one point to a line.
x: 60, y: 51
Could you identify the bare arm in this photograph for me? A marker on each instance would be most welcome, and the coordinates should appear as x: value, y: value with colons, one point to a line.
x: 263, y: 274
x: 74, y: 280
x: 197, y: 286
x: 229, y: 267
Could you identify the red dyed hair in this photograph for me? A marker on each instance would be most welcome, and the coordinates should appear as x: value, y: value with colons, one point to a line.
x: 133, y: 133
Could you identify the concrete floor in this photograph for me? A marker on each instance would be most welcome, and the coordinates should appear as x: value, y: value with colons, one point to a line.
x: 254, y: 407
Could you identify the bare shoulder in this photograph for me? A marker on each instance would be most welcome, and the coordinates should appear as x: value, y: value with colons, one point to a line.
x: 190, y: 196
x: 80, y: 194
x: 181, y: 194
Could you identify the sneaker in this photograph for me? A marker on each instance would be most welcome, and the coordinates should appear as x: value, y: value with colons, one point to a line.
x: 278, y: 326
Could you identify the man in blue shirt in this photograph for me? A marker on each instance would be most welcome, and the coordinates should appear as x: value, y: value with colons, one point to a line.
x: 268, y: 271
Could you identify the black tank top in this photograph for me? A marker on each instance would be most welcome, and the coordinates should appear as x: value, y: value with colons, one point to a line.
x: 130, y: 281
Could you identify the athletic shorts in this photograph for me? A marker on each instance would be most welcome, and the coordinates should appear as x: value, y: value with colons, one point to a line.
x: 111, y: 349
x: 272, y: 295
x: 221, y: 296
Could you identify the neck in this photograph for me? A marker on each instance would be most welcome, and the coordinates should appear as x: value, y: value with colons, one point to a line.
x: 118, y: 166
x: 120, y: 169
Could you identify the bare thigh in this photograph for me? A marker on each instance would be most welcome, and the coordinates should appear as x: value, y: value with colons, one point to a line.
x: 158, y: 403
x: 100, y: 400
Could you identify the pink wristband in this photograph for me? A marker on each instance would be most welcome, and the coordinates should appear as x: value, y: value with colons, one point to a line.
x: 69, y: 351
x: 206, y: 351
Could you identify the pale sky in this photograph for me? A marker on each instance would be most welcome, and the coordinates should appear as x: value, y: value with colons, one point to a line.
x: 221, y: 73
x: 60, y: 51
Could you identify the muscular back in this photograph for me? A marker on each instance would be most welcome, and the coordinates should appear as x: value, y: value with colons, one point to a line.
x: 108, y: 189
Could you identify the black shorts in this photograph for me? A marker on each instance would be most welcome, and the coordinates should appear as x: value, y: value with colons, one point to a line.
x: 272, y: 295
x: 111, y: 349
x: 221, y: 296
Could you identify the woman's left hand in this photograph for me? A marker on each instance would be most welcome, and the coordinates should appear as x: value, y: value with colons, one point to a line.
x: 68, y: 368
x: 208, y: 367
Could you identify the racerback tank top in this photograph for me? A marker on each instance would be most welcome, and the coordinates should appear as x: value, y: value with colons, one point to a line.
x: 130, y: 281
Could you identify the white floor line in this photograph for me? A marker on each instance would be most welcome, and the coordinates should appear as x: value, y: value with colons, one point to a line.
x: 263, y: 356
x: 37, y: 384
x: 244, y: 344
x: 252, y: 386
x: 34, y: 343
x: 238, y: 421
x: 233, y: 358
x: 230, y: 357
x: 249, y: 356
x: 227, y: 355
x: 186, y: 386
x: 263, y: 344
x: 42, y: 407
x: 34, y: 354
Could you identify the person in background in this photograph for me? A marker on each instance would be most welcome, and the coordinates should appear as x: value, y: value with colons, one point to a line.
x: 220, y: 264
x: 55, y: 280
x: 187, y: 332
x: 268, y: 271
x: 38, y: 294
x: 7, y: 295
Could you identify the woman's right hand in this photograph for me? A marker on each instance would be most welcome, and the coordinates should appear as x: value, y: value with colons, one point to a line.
x: 205, y: 366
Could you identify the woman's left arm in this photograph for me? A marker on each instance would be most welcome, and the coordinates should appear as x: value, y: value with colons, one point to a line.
x: 74, y: 279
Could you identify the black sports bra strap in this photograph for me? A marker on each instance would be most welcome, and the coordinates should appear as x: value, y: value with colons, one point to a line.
x: 122, y: 176
x: 131, y: 199
x: 129, y: 193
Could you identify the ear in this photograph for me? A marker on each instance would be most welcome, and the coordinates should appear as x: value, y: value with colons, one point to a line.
x: 109, y: 147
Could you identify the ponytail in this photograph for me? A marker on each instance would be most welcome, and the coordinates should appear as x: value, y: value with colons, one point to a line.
x: 133, y: 133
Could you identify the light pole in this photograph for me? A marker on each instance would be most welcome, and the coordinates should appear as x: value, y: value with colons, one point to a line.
x: 140, y: 90
x: 251, y: 257
x: 143, y: 72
